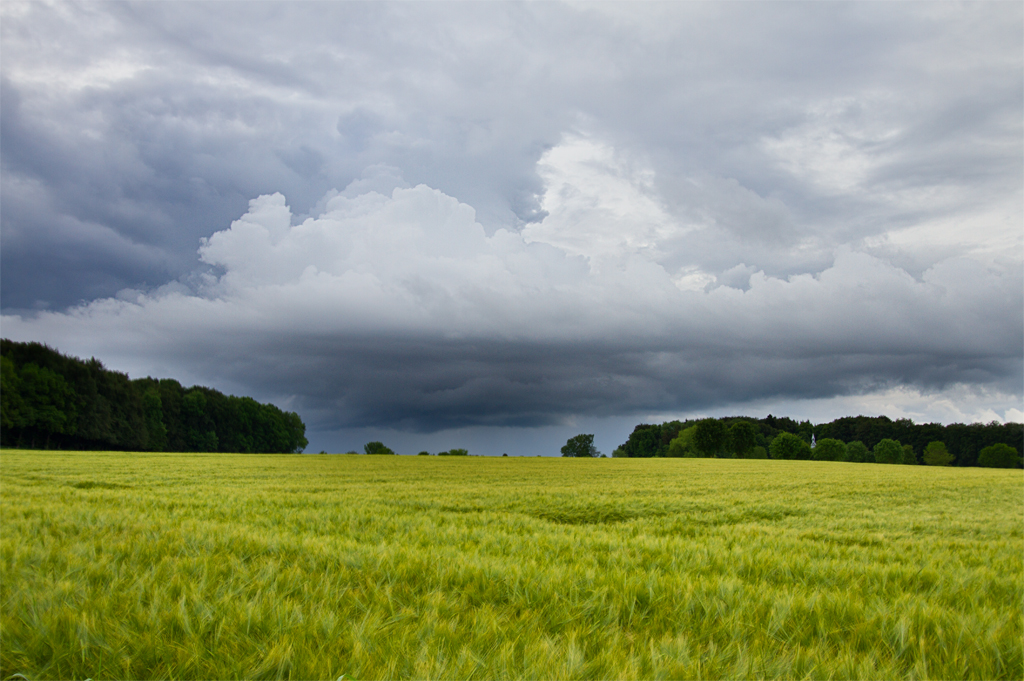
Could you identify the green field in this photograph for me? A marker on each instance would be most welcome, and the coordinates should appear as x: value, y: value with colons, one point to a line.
x: 266, y: 566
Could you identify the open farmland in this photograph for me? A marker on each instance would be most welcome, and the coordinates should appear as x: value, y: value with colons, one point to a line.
x: 267, y: 566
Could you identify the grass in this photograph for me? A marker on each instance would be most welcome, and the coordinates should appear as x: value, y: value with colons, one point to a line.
x: 257, y: 566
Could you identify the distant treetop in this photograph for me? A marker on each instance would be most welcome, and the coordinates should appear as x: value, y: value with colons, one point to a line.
x: 854, y: 439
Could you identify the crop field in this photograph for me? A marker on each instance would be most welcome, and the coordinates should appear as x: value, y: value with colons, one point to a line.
x: 222, y: 566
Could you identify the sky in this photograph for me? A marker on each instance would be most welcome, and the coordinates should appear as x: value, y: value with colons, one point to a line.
x: 497, y: 225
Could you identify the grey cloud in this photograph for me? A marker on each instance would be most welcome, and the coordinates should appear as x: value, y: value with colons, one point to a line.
x: 304, y: 161
x: 774, y: 136
x: 429, y: 386
x: 358, y: 127
x: 233, y: 105
x: 431, y: 324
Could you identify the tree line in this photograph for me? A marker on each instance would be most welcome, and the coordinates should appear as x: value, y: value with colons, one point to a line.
x: 863, y: 439
x: 54, y: 401
x: 376, y: 447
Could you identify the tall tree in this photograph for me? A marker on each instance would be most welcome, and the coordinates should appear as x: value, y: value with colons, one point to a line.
x: 744, y: 438
x: 999, y: 456
x: 829, y: 449
x: 12, y: 407
x: 936, y: 454
x: 683, y: 445
x: 858, y: 452
x: 711, y: 437
x: 789, y: 446
x: 156, y: 431
x: 46, y: 400
x: 644, y: 441
x: 888, y: 451
x: 200, y: 433
x: 580, y: 446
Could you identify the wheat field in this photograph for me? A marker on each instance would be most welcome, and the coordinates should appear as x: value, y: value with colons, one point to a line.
x: 124, y: 565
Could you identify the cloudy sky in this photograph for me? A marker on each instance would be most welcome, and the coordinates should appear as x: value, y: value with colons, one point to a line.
x: 496, y: 225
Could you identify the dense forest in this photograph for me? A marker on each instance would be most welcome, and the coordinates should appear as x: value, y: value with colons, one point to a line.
x: 52, y: 401
x: 859, y: 438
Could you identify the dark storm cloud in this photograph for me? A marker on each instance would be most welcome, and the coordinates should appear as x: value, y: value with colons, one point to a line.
x: 663, y: 206
x: 400, y: 311
x: 427, y: 385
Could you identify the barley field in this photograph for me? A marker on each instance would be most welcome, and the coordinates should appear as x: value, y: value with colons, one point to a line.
x: 120, y: 565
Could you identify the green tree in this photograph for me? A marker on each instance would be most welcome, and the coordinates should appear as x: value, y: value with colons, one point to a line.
x: 682, y: 444
x: 457, y: 452
x: 936, y: 454
x: 710, y: 437
x: 999, y: 456
x: 789, y: 446
x: 744, y: 438
x: 858, y: 452
x: 199, y: 430
x: 909, y: 457
x: 829, y: 449
x: 376, y: 448
x: 297, y: 433
x: 888, y: 451
x: 580, y: 446
x: 83, y: 405
x: 155, y: 428
x: 12, y: 407
x: 644, y: 441
x: 46, y: 399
